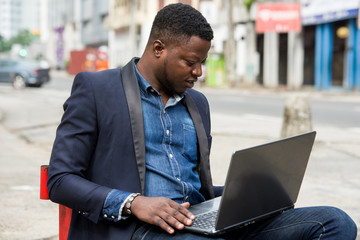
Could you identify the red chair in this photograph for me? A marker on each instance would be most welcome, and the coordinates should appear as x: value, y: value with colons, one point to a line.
x: 64, y: 212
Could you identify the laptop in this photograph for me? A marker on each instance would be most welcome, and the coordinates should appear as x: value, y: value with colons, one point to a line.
x: 261, y: 182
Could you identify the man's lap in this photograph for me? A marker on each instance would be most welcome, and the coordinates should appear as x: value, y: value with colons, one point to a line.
x: 299, y: 223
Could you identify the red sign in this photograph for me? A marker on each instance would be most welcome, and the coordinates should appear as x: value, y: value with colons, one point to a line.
x: 278, y: 17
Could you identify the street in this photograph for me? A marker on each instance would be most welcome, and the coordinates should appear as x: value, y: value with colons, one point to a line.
x: 240, y: 118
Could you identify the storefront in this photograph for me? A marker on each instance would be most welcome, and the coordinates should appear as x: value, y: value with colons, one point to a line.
x: 331, y: 44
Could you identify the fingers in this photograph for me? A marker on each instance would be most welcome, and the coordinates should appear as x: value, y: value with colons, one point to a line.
x: 175, y: 216
x: 162, y: 212
x: 183, y: 208
x: 185, y: 204
x: 168, y: 222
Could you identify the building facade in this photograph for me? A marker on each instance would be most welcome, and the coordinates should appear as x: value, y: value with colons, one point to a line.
x: 129, y: 24
x: 75, y: 25
x: 324, y: 53
x: 332, y: 28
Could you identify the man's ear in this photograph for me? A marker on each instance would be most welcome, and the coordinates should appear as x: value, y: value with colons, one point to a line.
x: 158, y: 48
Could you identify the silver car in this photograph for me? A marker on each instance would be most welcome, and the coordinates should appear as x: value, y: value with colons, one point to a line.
x: 22, y: 73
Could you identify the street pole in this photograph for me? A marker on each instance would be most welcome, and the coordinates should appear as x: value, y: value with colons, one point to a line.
x: 295, y: 59
x: 133, y: 28
x: 230, y: 47
x: 271, y: 59
x: 295, y: 66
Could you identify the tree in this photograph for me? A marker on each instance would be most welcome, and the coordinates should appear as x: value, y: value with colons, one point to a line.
x: 24, y: 38
x: 4, y: 45
x: 248, y: 4
x: 1, y: 43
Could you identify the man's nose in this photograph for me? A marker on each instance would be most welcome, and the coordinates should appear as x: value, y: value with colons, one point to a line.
x: 197, y: 70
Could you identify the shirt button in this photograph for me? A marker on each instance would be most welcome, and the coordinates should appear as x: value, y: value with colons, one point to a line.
x: 113, y: 217
x: 105, y: 216
x: 178, y: 179
x: 171, y: 156
x: 167, y: 132
x: 164, y: 111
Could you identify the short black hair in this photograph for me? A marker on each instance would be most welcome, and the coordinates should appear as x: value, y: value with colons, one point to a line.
x: 179, y: 22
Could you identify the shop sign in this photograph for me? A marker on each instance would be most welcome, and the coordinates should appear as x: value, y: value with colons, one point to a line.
x: 324, y: 11
x: 278, y: 17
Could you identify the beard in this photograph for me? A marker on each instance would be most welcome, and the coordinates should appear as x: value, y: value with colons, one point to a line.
x: 168, y: 88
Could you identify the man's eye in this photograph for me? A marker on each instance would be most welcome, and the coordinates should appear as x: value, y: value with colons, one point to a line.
x: 189, y: 63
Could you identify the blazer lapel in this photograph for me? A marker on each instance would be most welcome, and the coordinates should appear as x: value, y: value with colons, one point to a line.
x: 204, y: 152
x: 133, y: 99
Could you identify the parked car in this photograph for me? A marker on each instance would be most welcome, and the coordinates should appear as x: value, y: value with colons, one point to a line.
x: 22, y: 73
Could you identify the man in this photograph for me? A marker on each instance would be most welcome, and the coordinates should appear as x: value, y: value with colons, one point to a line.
x: 132, y: 150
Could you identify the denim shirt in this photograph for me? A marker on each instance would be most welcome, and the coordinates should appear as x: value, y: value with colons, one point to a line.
x: 171, y: 152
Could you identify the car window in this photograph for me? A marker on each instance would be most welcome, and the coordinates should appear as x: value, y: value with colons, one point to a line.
x: 7, y: 63
x: 11, y: 63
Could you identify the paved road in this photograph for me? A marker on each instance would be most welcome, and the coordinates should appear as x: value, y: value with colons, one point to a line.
x: 26, y: 136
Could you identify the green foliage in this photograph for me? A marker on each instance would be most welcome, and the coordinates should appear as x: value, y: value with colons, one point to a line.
x: 4, y: 45
x: 248, y: 4
x: 24, y: 38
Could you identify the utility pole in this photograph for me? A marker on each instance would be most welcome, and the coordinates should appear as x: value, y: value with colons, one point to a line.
x: 133, y: 28
x: 230, y: 47
x: 295, y: 66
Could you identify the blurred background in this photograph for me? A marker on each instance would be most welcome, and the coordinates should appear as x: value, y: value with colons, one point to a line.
x: 275, y: 69
x: 284, y: 43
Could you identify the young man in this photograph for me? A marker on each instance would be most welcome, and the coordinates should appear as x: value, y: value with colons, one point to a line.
x: 132, y: 150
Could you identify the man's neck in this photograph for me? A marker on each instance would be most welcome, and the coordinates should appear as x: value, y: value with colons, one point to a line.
x: 146, y: 70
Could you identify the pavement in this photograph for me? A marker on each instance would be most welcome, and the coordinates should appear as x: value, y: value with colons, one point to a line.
x: 332, y: 176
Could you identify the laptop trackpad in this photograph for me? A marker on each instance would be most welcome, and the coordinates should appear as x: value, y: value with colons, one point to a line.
x: 206, y: 206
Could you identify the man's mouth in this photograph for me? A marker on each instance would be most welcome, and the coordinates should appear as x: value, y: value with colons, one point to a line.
x: 190, y: 83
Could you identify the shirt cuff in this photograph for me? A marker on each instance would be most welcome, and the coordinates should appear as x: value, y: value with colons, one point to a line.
x: 114, y: 204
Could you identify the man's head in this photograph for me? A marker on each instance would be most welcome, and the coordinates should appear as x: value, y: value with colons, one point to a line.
x: 178, y: 45
x: 177, y: 23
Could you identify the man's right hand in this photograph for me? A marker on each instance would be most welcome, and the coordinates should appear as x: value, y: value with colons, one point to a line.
x: 162, y: 212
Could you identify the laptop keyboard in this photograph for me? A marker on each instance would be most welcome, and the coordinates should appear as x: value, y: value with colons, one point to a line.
x: 205, y: 220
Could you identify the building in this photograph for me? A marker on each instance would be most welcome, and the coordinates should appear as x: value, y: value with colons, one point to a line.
x: 324, y: 52
x: 75, y: 25
x: 129, y: 24
x: 332, y: 44
x: 18, y: 15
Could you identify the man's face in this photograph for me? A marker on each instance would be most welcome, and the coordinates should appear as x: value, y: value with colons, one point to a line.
x: 182, y: 65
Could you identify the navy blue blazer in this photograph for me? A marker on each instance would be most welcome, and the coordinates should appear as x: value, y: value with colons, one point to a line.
x: 100, y: 145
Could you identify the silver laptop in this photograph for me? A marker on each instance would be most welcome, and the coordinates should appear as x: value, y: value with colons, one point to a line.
x: 261, y: 182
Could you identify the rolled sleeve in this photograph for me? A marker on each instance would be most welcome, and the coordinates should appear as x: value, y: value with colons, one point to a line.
x: 114, y: 204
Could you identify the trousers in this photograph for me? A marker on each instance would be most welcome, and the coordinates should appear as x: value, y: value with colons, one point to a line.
x: 325, y: 223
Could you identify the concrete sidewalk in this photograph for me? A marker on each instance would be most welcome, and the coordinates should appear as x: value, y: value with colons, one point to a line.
x: 23, y: 215
x: 332, y: 177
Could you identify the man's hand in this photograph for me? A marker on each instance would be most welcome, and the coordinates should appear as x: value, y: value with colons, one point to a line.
x: 162, y: 212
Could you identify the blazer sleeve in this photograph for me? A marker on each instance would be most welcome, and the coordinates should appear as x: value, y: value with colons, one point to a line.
x: 72, y: 152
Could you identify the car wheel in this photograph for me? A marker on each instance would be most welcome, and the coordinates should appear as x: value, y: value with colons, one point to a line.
x: 19, y: 82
